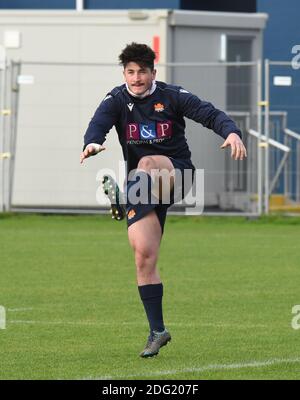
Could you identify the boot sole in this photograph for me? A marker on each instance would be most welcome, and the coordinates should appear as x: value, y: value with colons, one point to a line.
x: 112, y: 191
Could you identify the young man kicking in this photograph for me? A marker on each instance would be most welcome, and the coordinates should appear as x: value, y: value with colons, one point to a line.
x: 149, y: 119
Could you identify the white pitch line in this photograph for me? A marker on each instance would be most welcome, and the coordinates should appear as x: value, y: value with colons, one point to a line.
x: 20, y: 309
x: 58, y: 323
x: 112, y: 323
x: 210, y: 367
x: 80, y: 323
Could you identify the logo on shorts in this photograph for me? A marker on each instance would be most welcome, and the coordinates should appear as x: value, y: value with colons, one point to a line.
x: 159, y: 107
x: 131, y: 214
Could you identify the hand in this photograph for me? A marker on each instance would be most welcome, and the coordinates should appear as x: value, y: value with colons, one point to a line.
x: 238, y: 150
x: 90, y: 150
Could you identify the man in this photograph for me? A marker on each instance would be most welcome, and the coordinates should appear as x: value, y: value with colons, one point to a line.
x: 149, y: 119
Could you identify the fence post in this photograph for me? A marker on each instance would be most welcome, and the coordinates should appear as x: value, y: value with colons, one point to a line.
x: 267, y: 134
x: 2, y: 95
x: 259, y: 149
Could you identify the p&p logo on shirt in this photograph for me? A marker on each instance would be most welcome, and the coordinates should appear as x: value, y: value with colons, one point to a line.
x: 149, y: 132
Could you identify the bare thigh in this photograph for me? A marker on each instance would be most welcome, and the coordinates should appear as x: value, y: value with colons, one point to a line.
x: 165, y: 183
x: 145, y: 234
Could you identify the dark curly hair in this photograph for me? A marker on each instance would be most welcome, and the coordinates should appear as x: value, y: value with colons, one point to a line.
x: 139, y: 53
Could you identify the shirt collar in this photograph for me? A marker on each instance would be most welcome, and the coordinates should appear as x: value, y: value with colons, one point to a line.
x: 143, y: 95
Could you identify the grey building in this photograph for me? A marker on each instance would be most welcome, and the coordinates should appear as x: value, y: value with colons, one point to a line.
x: 68, y: 62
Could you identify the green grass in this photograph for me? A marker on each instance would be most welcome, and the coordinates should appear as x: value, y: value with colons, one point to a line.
x: 73, y: 310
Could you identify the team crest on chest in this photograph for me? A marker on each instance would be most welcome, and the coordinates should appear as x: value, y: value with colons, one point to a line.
x: 159, y: 107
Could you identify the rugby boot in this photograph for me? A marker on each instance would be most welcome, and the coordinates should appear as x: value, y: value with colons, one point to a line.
x: 115, y: 196
x: 156, y: 340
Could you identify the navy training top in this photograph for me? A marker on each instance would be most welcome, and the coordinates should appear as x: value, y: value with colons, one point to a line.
x: 155, y: 124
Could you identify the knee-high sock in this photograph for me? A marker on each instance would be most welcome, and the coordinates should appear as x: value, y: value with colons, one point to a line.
x: 151, y: 296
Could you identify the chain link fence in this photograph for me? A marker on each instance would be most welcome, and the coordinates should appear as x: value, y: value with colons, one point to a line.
x: 49, y: 106
x: 8, y: 118
x: 282, y: 125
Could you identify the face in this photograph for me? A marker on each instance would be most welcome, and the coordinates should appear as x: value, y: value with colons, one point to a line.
x: 139, y: 79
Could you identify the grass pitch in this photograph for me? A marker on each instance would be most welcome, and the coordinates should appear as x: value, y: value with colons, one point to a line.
x: 73, y: 310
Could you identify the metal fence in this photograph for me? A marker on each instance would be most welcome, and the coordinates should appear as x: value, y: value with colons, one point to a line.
x: 8, y: 118
x: 45, y: 109
x: 231, y: 187
x: 282, y: 124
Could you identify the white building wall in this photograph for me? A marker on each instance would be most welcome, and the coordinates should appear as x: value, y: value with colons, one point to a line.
x: 54, y: 111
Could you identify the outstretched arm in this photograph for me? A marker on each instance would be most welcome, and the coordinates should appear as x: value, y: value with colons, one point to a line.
x: 90, y: 150
x: 238, y: 150
x: 103, y: 120
x: 204, y: 112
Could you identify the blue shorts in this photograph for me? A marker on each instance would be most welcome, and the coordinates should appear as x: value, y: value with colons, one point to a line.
x: 138, y: 211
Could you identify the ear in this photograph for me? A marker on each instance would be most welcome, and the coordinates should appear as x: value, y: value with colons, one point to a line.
x: 154, y: 74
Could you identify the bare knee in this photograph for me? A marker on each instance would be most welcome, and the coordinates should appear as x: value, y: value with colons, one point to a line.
x: 146, y: 163
x: 145, y: 257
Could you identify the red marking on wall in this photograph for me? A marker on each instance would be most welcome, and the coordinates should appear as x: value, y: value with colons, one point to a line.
x: 156, y: 47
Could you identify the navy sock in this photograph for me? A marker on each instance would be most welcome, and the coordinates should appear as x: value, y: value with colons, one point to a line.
x: 151, y: 296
